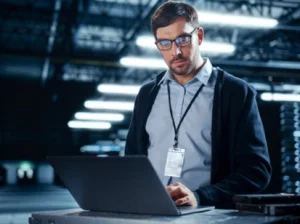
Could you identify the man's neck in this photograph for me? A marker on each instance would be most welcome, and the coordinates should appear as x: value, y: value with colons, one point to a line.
x: 183, y: 79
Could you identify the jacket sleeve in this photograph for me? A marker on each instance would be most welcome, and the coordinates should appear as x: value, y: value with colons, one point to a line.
x: 131, y: 139
x: 252, y: 162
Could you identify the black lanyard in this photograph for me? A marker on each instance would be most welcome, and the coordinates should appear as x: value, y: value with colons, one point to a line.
x: 176, y: 130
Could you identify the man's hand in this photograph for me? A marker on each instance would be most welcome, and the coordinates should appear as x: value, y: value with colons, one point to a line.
x: 182, y: 195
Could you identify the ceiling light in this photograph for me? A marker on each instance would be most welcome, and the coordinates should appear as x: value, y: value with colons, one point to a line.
x: 119, y: 89
x: 280, y: 97
x: 89, y: 125
x: 99, y: 116
x: 149, y: 63
x: 109, y: 105
x: 236, y: 20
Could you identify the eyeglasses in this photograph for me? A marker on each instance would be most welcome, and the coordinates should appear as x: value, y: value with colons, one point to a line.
x: 181, y: 41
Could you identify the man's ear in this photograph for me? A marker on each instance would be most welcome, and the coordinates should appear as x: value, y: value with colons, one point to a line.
x: 200, y: 35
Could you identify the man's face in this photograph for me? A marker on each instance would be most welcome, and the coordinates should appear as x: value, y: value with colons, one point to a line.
x: 181, y: 60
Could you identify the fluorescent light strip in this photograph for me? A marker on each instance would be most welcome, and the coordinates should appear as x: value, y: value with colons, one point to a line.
x: 291, y: 87
x: 99, y: 116
x: 119, y: 89
x: 215, y: 47
x: 109, y: 105
x: 296, y: 133
x: 89, y: 125
x: 208, y: 47
x: 150, y: 63
x: 236, y: 20
x: 280, y: 97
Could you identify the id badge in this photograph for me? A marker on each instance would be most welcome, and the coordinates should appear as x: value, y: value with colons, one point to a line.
x: 174, y: 163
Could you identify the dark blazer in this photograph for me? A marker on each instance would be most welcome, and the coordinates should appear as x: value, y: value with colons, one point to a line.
x: 240, y: 159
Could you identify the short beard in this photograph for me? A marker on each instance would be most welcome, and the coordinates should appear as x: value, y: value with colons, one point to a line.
x: 179, y: 71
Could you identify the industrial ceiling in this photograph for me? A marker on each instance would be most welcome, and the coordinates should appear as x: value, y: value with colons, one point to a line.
x: 54, y: 53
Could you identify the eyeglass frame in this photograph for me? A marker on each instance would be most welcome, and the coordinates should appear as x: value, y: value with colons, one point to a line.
x: 174, y: 40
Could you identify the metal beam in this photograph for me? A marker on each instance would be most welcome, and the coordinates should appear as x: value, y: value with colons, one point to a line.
x: 51, y: 39
x: 136, y: 26
x: 35, y: 14
x: 67, y: 43
x: 257, y: 64
x: 282, y: 69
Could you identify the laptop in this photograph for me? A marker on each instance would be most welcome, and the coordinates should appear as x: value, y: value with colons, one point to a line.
x: 117, y: 184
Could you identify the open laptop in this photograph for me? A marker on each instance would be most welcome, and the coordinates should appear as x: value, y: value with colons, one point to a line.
x: 117, y: 184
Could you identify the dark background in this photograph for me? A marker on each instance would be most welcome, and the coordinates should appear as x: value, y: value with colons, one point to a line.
x: 54, y: 54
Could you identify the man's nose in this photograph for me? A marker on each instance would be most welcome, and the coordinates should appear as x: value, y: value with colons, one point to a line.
x: 175, y: 49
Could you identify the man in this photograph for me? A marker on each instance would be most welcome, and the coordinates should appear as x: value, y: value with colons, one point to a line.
x: 198, y: 125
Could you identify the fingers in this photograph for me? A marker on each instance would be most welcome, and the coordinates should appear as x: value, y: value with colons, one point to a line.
x: 177, y: 192
x: 181, y: 195
x: 171, y: 187
x: 177, y: 184
x: 184, y: 201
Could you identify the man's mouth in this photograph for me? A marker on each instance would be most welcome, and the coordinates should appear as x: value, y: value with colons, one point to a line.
x: 179, y: 62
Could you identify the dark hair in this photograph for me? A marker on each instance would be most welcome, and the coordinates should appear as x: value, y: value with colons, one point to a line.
x: 168, y: 12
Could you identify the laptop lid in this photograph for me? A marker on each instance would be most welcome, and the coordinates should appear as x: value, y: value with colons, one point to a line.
x: 114, y: 184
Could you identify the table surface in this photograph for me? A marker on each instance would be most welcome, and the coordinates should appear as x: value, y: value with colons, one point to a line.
x: 17, y: 204
x: 78, y: 216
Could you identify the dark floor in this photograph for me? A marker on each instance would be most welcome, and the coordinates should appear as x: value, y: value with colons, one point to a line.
x: 17, y: 203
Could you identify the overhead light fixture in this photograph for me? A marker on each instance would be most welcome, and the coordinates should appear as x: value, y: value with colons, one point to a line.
x: 280, y: 97
x: 236, y: 20
x: 109, y: 105
x: 207, y: 47
x: 89, y: 125
x: 119, y: 89
x: 99, y: 116
x: 295, y: 88
x: 296, y: 133
x: 217, y: 48
x: 149, y: 63
x: 131, y: 2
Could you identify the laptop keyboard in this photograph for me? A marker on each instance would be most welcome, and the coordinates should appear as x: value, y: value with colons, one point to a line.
x: 183, y: 208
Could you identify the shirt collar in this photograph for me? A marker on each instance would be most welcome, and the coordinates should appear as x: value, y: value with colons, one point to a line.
x: 203, y: 75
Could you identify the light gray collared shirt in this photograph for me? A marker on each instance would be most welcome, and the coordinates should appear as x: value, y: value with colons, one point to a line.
x: 195, y: 130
